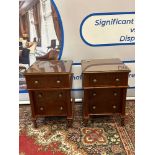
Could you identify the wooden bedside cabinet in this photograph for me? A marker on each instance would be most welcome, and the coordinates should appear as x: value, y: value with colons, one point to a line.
x: 105, y: 83
x: 49, y: 85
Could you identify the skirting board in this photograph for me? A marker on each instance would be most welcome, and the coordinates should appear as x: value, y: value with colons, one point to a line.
x: 76, y: 100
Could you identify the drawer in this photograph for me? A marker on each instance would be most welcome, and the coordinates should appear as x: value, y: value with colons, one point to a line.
x: 54, y: 110
x: 104, y: 108
x: 54, y: 96
x: 50, y: 81
x: 103, y: 100
x: 105, y: 79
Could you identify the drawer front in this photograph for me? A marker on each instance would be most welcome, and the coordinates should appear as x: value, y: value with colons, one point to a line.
x: 52, y: 103
x: 105, y: 79
x: 50, y: 81
x: 54, y: 96
x: 102, y: 101
x: 54, y: 110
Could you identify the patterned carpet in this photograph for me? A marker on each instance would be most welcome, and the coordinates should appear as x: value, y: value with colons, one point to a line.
x: 102, y: 136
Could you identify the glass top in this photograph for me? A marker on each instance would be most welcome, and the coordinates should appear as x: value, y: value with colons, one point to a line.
x: 104, y: 65
x: 51, y: 66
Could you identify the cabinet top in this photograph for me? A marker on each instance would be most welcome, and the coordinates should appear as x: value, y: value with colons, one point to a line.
x: 103, y: 65
x: 50, y: 67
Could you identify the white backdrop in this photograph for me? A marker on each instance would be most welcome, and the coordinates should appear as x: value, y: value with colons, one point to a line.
x: 72, y: 13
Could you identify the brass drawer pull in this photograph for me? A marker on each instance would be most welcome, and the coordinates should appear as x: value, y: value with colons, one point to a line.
x: 117, y: 79
x: 94, y: 80
x: 61, y: 108
x: 94, y: 94
x: 58, y: 81
x: 114, y: 107
x: 36, y: 82
x: 60, y: 95
x: 40, y: 95
x: 115, y: 94
x: 41, y: 108
x: 94, y: 107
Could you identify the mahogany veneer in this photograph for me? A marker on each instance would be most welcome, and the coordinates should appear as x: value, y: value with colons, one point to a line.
x: 105, y: 83
x: 49, y: 85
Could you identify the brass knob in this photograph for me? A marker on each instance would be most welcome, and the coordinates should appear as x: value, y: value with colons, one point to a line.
x: 94, y: 80
x: 61, y: 108
x: 40, y: 95
x: 60, y: 95
x: 115, y: 94
x: 41, y: 108
x: 117, y: 79
x: 58, y: 81
x: 36, y: 82
x: 114, y: 107
x: 94, y: 107
x: 94, y: 94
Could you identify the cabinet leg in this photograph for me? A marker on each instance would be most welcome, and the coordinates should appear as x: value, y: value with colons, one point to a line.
x: 85, y: 121
x: 122, y: 120
x: 34, y: 123
x: 69, y: 123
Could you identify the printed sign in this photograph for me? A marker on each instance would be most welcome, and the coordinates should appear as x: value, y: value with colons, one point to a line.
x: 107, y: 29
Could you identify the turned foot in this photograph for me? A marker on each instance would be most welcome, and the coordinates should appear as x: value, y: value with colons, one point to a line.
x: 85, y: 121
x: 69, y: 123
x: 34, y: 123
x: 122, y: 121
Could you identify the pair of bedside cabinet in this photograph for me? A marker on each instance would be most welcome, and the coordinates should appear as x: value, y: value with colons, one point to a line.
x: 49, y: 84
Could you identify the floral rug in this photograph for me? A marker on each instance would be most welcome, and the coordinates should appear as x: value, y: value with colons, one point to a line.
x: 102, y: 136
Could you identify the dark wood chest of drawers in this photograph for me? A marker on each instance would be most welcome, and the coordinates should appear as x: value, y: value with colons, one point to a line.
x: 105, y: 84
x: 49, y: 84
